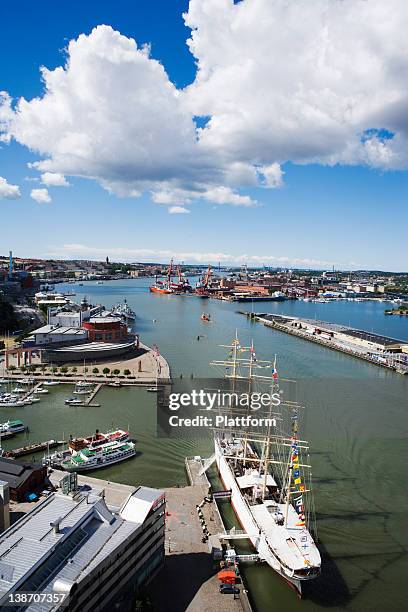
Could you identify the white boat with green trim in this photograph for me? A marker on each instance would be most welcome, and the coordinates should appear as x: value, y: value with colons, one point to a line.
x: 95, y: 458
x: 10, y: 428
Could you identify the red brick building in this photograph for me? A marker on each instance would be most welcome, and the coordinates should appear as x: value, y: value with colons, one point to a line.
x: 105, y: 329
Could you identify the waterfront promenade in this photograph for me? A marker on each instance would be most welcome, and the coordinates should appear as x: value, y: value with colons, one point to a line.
x: 147, y: 367
x: 189, y: 578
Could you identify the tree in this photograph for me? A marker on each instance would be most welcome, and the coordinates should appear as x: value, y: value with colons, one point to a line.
x: 12, y: 367
x: 126, y: 372
x: 106, y: 370
x: 75, y: 369
x: 64, y: 370
x: 116, y: 372
x: 95, y: 371
x: 54, y: 369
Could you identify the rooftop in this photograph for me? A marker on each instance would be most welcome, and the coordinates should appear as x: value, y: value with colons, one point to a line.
x: 16, y: 473
x: 59, y: 329
x: 33, y: 555
x: 335, y: 327
x: 93, y: 346
x: 105, y: 318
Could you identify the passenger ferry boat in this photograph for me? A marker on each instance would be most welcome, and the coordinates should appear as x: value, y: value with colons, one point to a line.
x: 98, y: 439
x: 102, y: 456
x: 10, y: 428
x: 270, y: 482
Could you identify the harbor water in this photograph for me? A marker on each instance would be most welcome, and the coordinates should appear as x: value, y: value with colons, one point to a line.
x: 355, y: 420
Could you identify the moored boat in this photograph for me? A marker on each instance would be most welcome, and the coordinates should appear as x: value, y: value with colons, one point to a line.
x: 102, y: 456
x: 9, y: 400
x: 98, y: 439
x: 18, y: 390
x: 164, y: 287
x: 74, y: 401
x: 268, y: 479
x: 124, y: 311
x: 11, y: 428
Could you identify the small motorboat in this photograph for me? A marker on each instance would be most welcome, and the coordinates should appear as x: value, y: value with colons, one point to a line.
x: 205, y: 317
x: 73, y: 401
x: 26, y: 381
x: 40, y: 390
x: 18, y: 390
x: 51, y: 383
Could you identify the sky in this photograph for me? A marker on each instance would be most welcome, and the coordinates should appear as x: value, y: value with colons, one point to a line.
x: 258, y: 132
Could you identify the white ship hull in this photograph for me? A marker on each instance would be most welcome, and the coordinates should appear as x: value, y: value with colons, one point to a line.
x: 248, y: 521
x: 97, y: 466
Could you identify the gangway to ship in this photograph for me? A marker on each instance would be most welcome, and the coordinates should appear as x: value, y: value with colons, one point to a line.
x: 206, y: 464
x: 222, y: 494
x: 234, y: 534
x: 248, y: 558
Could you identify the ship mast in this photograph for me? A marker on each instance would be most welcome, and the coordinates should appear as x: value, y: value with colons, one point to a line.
x: 266, y: 448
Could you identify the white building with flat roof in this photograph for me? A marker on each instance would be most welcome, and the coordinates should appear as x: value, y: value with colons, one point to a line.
x: 57, y: 334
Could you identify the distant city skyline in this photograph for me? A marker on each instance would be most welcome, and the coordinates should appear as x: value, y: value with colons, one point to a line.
x: 188, y: 130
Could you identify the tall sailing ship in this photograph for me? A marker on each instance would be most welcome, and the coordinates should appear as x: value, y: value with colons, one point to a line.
x: 265, y: 470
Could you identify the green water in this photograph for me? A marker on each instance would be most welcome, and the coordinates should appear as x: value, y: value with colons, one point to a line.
x: 355, y: 421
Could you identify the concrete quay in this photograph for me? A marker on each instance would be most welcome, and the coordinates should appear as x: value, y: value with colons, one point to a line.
x: 340, y: 338
x: 188, y: 581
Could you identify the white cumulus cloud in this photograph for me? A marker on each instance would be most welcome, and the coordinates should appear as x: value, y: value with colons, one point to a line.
x: 8, y: 191
x: 72, y: 251
x: 178, y: 210
x: 41, y: 196
x: 303, y: 82
x: 54, y: 179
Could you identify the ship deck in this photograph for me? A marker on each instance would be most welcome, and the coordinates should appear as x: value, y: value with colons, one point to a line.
x: 293, y: 544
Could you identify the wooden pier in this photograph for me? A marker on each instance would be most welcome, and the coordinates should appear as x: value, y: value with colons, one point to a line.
x: 92, y: 395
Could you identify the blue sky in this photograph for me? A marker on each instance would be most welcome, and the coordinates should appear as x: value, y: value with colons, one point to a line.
x: 349, y: 216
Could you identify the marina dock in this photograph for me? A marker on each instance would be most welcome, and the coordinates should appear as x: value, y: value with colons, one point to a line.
x: 88, y: 401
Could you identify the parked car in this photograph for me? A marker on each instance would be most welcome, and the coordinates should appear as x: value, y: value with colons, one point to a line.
x: 229, y: 589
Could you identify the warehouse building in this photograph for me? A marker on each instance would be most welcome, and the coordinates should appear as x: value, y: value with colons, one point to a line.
x: 22, y: 478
